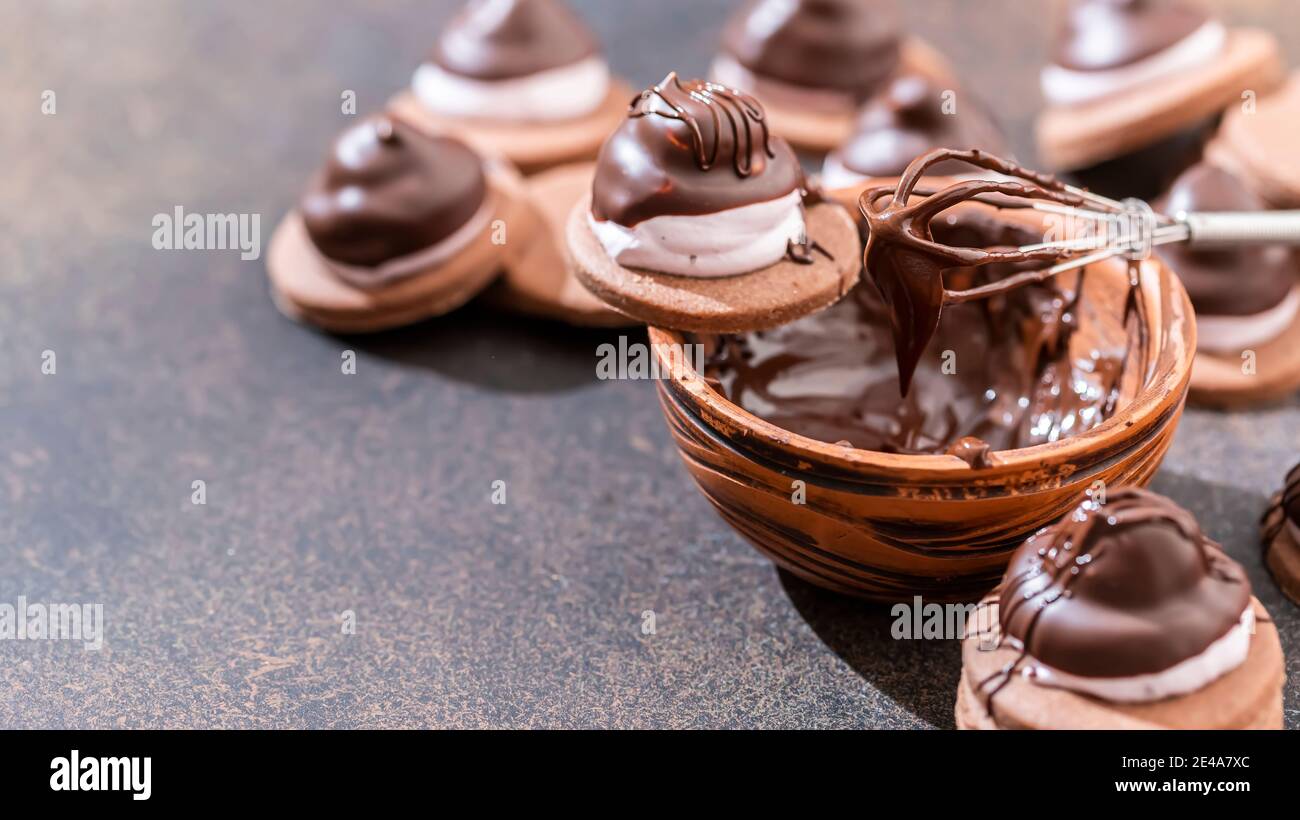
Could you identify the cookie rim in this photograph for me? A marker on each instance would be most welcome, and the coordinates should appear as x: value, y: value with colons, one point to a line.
x: 612, y: 288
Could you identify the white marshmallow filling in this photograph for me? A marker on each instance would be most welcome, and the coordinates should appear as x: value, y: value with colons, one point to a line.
x: 1218, y: 659
x: 1233, y: 334
x: 726, y: 243
x: 563, y: 93
x: 1065, y: 87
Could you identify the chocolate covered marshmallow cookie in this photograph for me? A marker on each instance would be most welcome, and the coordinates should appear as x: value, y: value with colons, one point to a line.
x: 699, y: 218
x: 397, y: 226
x: 1124, y: 615
x: 524, y: 79
x: 1135, y: 89
x: 1247, y: 298
x: 1281, y: 535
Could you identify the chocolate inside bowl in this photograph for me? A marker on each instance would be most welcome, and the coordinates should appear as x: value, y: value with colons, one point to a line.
x: 801, y: 438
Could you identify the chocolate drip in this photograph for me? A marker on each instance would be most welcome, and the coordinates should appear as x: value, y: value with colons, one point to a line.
x: 689, y: 102
x: 666, y: 157
x: 843, y: 45
x: 802, y: 252
x: 1234, y: 281
x: 1284, y: 507
x: 388, y: 190
x: 971, y: 450
x: 1125, y: 588
x: 505, y: 39
x: 908, y: 266
x: 1016, y: 376
x: 907, y: 119
x: 1105, y: 34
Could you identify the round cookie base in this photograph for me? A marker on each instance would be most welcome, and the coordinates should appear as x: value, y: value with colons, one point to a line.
x: 304, y: 289
x: 757, y: 300
x: 1079, y: 136
x: 1248, y: 697
x: 1228, y: 382
x: 382, y: 320
x: 532, y: 145
x: 540, y: 281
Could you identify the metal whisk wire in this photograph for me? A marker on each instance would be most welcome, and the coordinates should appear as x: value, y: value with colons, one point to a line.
x: 1133, y: 229
x: 1130, y: 228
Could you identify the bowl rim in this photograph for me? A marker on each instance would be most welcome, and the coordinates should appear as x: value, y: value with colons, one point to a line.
x: 1159, y: 397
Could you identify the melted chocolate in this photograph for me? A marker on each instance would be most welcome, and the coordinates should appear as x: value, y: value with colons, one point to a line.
x: 974, y: 451
x: 1105, y: 34
x: 907, y: 119
x: 504, y: 39
x: 842, y: 45
x: 1014, y: 381
x: 690, y: 147
x: 387, y: 190
x: 1129, y: 587
x: 908, y: 266
x: 805, y: 253
x: 1233, y: 281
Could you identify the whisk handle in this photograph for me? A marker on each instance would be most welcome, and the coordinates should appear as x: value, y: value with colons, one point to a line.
x: 1242, y: 228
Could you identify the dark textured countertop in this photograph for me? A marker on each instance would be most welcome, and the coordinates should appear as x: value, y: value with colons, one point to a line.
x: 370, y: 492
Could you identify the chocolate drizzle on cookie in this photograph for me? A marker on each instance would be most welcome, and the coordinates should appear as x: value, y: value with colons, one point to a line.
x: 720, y: 120
x: 668, y: 157
x: 1125, y: 588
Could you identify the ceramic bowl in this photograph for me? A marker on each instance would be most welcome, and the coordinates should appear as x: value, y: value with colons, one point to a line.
x: 887, y: 526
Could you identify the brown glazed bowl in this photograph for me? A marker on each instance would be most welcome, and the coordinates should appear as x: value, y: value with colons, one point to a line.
x: 888, y: 527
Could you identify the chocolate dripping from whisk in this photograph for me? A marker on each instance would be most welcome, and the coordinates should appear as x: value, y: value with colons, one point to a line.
x: 907, y: 265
